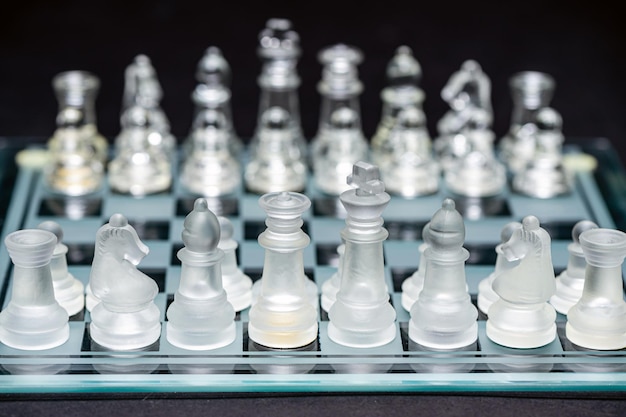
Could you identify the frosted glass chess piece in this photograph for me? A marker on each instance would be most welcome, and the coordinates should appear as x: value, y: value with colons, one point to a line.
x: 279, y: 51
x: 361, y: 316
x: 125, y: 318
x: 210, y: 168
x: 142, y: 89
x: 213, y: 92
x: 238, y: 286
x: 330, y: 288
x: 413, y: 285
x: 486, y: 295
x: 570, y: 283
x: 283, y: 317
x: 598, y: 319
x: 339, y: 142
x: 139, y: 168
x: 68, y: 291
x: 545, y: 176
x: 531, y: 91
x: 77, y: 151
x: 443, y: 316
x: 33, y: 319
x: 273, y: 167
x: 522, y: 317
x: 200, y: 317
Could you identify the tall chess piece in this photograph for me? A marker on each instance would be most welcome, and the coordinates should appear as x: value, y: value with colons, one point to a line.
x: 522, y: 317
x: 361, y: 315
x: 598, y: 319
x: 77, y: 152
x: 33, y: 319
x: 238, y: 286
x: 283, y: 317
x: 339, y: 142
x: 278, y: 148
x: 443, y: 316
x: 413, y: 285
x: 200, y: 317
x: 486, y: 295
x: 68, y: 291
x: 531, y: 91
x: 126, y: 317
x: 401, y: 146
x: 545, y: 176
x: 570, y: 283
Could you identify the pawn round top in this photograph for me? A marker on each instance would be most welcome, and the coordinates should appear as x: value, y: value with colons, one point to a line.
x: 581, y: 227
x: 548, y: 118
x: 284, y: 204
x: 278, y: 40
x: 403, y: 67
x: 446, y: 228
x: 213, y: 67
x: 226, y: 228
x: 530, y: 223
x: 507, y: 231
x: 201, y: 228
x: 118, y: 220
x: 52, y: 227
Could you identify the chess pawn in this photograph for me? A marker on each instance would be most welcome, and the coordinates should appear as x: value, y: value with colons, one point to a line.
x: 238, y: 286
x: 570, y: 283
x: 210, y: 169
x: 126, y: 317
x: 200, y: 317
x: 544, y: 176
x: 213, y: 92
x: 531, y: 91
x: 443, y: 316
x: 598, y: 319
x: 522, y: 317
x: 330, y: 288
x: 413, y: 285
x: 486, y: 295
x: 77, y: 152
x: 68, y: 291
x: 339, y: 142
x: 139, y: 168
x: 279, y: 51
x: 33, y: 319
x: 282, y: 317
x: 361, y: 315
x: 274, y: 167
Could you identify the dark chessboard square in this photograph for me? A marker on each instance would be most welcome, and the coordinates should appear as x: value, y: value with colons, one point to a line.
x: 559, y: 230
x: 174, y: 258
x: 481, y: 254
x: 328, y: 207
x: 221, y: 206
x: 398, y: 275
x: 404, y: 230
x: 151, y: 229
x: 80, y: 316
x: 252, y: 229
x: 475, y: 208
x: 70, y: 207
x: 80, y: 253
x: 326, y: 254
x: 158, y: 275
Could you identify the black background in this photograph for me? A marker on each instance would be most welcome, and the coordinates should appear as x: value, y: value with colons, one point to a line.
x: 580, y: 43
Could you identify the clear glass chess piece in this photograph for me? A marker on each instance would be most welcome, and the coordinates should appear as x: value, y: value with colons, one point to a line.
x: 361, y: 315
x: 522, y: 317
x: 339, y: 142
x: 443, y: 316
x: 570, y: 283
x: 77, y: 151
x: 139, y: 168
x: 200, y: 317
x: 238, y: 286
x: 330, y: 288
x: 413, y: 285
x: 68, y: 291
x: 530, y: 91
x: 125, y: 316
x: 33, y: 319
x: 283, y: 317
x: 545, y: 176
x: 598, y: 319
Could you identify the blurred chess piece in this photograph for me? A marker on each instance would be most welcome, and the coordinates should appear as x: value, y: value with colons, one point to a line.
x: 77, y: 152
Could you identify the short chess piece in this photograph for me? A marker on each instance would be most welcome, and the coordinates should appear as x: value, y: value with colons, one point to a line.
x: 413, y: 285
x: 238, y: 286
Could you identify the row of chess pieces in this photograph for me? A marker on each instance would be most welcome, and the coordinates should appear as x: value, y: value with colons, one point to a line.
x: 462, y: 157
x: 520, y: 298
